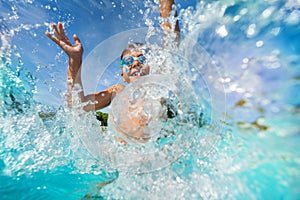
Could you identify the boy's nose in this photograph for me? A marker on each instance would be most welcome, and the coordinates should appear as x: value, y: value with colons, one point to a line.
x: 135, y: 64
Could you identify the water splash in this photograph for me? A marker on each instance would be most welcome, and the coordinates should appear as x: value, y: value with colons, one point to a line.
x: 259, y: 69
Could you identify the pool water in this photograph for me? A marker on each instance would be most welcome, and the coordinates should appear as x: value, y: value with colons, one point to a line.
x: 245, y: 66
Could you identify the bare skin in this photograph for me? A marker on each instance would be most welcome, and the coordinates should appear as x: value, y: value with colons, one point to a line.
x: 75, y: 52
x: 103, y: 99
x: 165, y: 7
x: 136, y: 66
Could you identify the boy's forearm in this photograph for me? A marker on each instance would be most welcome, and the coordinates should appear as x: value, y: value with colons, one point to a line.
x: 165, y: 7
x: 73, y: 69
x: 74, y: 78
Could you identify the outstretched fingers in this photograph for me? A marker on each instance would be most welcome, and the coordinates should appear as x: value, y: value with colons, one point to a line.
x: 54, y: 27
x: 54, y: 39
x: 62, y: 34
x: 60, y: 37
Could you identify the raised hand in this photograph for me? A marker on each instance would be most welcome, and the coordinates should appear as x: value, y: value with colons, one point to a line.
x: 74, y: 51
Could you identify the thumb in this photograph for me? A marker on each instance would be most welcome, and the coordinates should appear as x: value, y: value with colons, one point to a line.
x: 76, y: 39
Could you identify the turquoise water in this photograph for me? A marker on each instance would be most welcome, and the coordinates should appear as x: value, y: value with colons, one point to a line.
x: 245, y: 58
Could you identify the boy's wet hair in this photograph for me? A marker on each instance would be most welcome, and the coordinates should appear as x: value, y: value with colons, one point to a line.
x: 135, y: 46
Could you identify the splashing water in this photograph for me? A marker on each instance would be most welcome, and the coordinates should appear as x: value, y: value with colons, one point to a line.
x: 244, y: 50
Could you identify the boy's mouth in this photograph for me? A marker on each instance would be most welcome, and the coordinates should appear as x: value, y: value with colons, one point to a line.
x: 136, y: 72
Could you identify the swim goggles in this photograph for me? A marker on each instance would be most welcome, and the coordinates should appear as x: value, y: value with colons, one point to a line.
x: 129, y: 60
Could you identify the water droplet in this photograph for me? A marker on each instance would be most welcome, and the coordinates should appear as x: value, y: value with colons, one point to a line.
x: 294, y: 17
x: 240, y: 90
x: 267, y: 13
x: 251, y: 30
x: 275, y: 109
x: 222, y: 31
x: 245, y: 60
x: 259, y: 43
x: 236, y: 18
x: 244, y: 11
x: 248, y: 95
x: 275, y: 31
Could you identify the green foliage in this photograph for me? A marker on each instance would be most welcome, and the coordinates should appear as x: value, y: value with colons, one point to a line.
x: 102, y: 117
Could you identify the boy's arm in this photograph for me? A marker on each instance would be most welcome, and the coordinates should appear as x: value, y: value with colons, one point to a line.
x: 165, y: 7
x: 75, y: 52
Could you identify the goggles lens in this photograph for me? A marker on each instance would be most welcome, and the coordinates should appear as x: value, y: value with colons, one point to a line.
x: 128, y: 60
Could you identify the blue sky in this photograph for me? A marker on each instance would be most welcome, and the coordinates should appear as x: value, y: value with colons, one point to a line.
x: 93, y: 21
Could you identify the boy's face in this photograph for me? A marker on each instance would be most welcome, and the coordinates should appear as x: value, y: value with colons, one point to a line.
x: 136, y: 69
